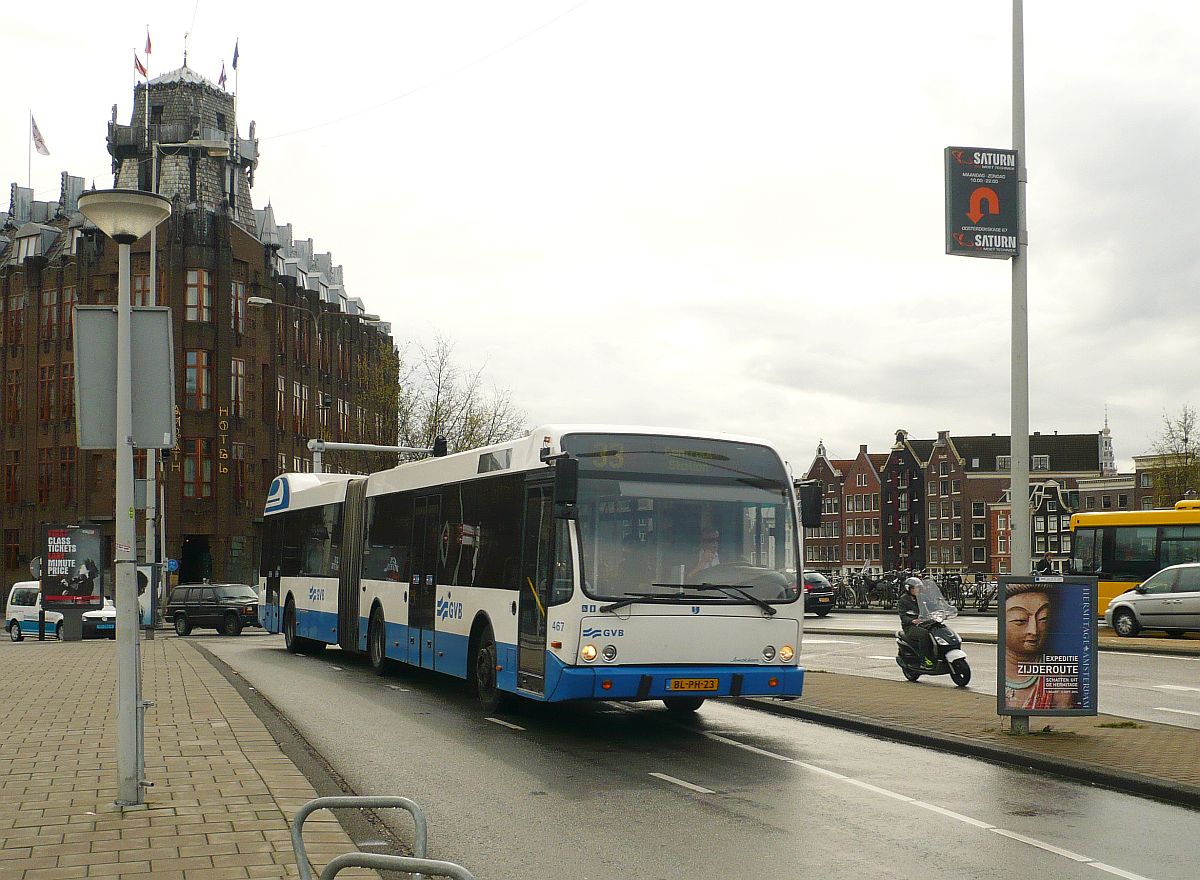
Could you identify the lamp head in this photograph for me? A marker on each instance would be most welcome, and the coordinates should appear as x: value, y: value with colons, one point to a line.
x: 124, y: 215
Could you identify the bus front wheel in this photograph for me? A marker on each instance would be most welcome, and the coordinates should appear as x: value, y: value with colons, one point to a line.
x: 291, y: 641
x: 683, y: 705
x: 377, y: 642
x: 486, y: 688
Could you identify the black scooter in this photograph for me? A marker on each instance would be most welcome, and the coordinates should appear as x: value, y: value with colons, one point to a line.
x: 949, y: 657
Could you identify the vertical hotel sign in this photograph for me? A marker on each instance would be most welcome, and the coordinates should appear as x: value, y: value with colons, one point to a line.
x: 982, y: 215
x: 1047, y: 646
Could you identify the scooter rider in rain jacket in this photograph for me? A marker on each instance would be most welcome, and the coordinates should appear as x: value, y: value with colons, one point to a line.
x: 910, y: 616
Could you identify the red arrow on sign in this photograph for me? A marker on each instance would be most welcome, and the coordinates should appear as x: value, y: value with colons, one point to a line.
x: 978, y: 197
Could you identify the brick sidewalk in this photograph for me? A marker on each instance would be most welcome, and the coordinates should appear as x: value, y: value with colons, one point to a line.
x: 223, y: 789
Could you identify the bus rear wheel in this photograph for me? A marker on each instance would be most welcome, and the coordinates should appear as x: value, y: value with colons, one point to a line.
x: 683, y: 705
x: 377, y: 643
x: 291, y: 641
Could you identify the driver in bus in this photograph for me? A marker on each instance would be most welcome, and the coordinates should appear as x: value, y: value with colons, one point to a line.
x: 710, y: 540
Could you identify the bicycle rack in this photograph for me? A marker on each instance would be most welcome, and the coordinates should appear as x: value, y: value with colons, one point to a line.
x: 418, y: 865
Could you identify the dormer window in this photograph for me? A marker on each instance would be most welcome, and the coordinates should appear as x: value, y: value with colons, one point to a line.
x: 27, y: 247
x: 1041, y: 462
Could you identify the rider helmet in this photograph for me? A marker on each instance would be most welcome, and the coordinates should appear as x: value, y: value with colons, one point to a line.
x: 913, y: 583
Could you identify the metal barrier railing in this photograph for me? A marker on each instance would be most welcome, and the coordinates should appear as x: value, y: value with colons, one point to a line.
x: 419, y: 863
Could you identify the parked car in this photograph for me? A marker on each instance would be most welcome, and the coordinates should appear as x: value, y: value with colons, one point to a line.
x: 818, y: 592
x: 1170, y: 600
x: 25, y: 602
x: 224, y: 607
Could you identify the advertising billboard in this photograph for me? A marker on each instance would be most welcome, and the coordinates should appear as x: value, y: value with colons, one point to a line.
x: 1046, y: 645
x: 74, y: 566
x: 982, y: 216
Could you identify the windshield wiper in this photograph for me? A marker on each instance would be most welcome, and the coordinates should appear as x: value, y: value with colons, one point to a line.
x: 729, y: 590
x: 632, y: 597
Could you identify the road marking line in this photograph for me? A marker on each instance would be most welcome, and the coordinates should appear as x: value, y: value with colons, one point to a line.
x: 1176, y: 711
x: 880, y: 657
x: 396, y: 687
x: 821, y: 770
x: 1065, y: 853
x: 883, y: 791
x: 336, y: 668
x: 1176, y: 687
x: 503, y: 723
x: 749, y: 748
x: 953, y: 815
x: 828, y: 642
x: 699, y: 788
x: 1153, y: 656
x: 1129, y: 875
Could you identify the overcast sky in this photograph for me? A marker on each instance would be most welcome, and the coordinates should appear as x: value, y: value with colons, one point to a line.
x: 721, y: 215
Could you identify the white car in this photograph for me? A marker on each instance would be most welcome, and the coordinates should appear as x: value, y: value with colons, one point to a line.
x: 25, y: 601
x: 1168, y: 601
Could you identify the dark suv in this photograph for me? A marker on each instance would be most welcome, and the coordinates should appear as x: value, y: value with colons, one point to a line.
x: 226, y: 607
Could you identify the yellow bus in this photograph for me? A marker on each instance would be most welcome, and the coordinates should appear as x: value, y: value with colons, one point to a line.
x: 1123, y: 548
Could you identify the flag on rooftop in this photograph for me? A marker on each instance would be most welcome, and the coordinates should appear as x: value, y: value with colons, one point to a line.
x: 221, y: 81
x: 39, y: 143
x: 138, y: 66
x: 147, y: 42
x: 235, y: 53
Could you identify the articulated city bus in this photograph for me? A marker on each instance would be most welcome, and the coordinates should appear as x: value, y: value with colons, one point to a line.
x: 576, y: 563
x: 1124, y: 548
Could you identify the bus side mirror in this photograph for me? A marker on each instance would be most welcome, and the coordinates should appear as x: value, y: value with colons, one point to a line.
x: 809, y: 493
x: 566, y: 487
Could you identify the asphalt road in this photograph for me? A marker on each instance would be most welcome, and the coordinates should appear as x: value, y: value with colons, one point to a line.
x: 618, y: 791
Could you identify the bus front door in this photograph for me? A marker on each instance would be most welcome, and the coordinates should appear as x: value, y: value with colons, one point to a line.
x: 536, y: 570
x: 422, y: 590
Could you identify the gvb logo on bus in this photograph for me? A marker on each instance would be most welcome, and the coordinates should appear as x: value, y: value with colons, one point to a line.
x: 316, y: 594
x: 592, y: 632
x: 447, y: 610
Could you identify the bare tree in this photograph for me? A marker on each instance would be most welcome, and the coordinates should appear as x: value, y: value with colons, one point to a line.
x: 440, y: 397
x: 1178, y: 449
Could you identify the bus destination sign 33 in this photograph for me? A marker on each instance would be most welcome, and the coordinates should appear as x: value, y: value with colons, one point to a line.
x: 981, y: 202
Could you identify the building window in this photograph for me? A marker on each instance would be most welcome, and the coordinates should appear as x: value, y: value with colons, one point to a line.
x: 1039, y: 523
x: 1144, y: 480
x: 943, y: 468
x: 12, y: 396
x: 1090, y: 502
x: 281, y: 463
x: 12, y: 548
x: 1003, y: 462
x: 1123, y: 502
x: 1001, y: 522
x: 198, y: 296
x: 237, y: 388
x: 237, y: 454
x: 945, y: 510
x: 297, y: 410
x: 1040, y: 541
x: 47, y: 392
x: 978, y: 555
x: 1002, y: 543
x: 1106, y: 502
x: 1147, y: 504
x: 139, y: 290
x: 903, y: 523
x: 957, y: 507
x: 977, y: 531
x: 904, y: 502
x: 977, y: 509
x: 49, y: 315
x: 66, y: 472
x: 1051, y: 507
x: 67, y: 312
x: 12, y: 477
x: 1066, y: 543
x: 344, y: 419
x: 945, y: 486
x: 955, y: 487
x: 45, y: 474
x: 66, y: 397
x: 197, y: 383
x: 15, y: 325
x: 197, y: 468
x: 237, y: 304
x: 933, y: 510
x: 1041, y: 463
x: 280, y: 402
x: 958, y: 553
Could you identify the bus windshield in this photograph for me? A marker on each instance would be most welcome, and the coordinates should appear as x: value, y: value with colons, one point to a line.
x: 659, y: 514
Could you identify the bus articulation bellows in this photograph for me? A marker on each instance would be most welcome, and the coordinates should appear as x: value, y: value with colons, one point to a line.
x: 576, y: 563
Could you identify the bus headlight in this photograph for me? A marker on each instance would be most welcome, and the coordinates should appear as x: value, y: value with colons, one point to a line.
x: 786, y: 653
x: 769, y: 653
x: 609, y: 653
x: 588, y: 653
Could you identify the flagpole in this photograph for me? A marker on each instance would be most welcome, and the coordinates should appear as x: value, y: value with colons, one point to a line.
x: 29, y: 154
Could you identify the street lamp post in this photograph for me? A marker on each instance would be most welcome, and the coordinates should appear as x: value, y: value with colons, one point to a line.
x: 125, y: 216
x: 263, y: 302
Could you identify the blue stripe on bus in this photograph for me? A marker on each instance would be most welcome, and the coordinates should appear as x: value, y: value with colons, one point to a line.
x: 584, y: 682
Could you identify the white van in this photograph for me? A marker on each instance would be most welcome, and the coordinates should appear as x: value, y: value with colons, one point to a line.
x: 25, y: 601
